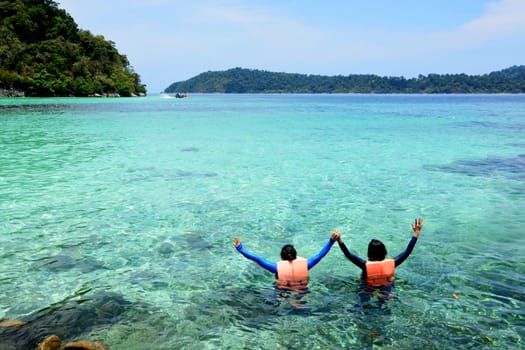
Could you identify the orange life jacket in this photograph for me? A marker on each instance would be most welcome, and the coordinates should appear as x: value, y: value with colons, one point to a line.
x: 292, y: 273
x: 380, y: 273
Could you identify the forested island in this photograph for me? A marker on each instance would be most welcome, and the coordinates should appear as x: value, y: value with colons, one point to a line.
x: 44, y: 53
x: 240, y: 80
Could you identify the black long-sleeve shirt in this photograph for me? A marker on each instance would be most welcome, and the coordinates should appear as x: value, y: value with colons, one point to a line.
x: 362, y: 263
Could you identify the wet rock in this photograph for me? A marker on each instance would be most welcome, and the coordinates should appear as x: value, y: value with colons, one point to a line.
x: 69, y: 319
x: 50, y: 343
x: 12, y: 93
x: 53, y: 343
x: 11, y: 323
x: 85, y: 345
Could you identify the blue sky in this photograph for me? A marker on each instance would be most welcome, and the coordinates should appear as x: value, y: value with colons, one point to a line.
x: 172, y: 40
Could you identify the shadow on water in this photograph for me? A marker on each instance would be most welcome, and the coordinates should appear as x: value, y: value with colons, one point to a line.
x: 328, y: 313
x: 250, y: 308
x: 363, y: 316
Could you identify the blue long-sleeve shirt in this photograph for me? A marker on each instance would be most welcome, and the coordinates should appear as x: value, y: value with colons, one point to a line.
x: 272, y: 267
x: 362, y: 263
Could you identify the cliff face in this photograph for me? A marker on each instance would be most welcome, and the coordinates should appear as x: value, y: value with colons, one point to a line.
x: 44, y: 53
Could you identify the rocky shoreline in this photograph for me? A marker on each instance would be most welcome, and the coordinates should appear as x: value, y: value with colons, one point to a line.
x: 20, y: 93
x: 12, y: 93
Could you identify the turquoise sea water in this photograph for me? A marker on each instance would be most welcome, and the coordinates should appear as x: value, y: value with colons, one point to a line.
x: 141, y: 198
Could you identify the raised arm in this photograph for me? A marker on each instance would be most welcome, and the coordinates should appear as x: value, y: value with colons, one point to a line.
x: 272, y: 267
x: 315, y: 259
x: 353, y: 258
x: 416, y: 227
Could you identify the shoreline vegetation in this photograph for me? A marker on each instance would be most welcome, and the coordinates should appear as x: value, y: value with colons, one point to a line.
x: 241, y: 80
x: 21, y: 93
x: 43, y: 53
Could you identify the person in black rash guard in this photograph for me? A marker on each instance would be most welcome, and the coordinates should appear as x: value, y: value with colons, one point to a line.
x: 377, y: 271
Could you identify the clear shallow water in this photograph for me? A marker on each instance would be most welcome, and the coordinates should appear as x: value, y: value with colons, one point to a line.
x: 141, y: 198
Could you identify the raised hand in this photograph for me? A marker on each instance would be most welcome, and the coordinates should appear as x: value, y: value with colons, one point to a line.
x: 417, y: 226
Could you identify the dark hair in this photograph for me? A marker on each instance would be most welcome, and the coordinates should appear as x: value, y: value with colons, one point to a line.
x: 288, y: 252
x: 376, y: 250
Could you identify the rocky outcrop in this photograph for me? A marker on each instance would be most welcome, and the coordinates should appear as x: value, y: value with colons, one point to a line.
x: 53, y: 343
x: 11, y: 323
x: 70, y: 319
x: 11, y: 93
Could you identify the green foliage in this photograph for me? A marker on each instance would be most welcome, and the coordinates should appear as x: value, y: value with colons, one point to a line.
x: 43, y: 53
x: 239, y: 80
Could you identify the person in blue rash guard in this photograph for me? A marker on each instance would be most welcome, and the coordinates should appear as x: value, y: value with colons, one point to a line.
x: 292, y: 271
x: 377, y: 271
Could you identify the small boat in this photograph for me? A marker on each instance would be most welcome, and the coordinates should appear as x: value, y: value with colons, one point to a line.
x: 180, y: 95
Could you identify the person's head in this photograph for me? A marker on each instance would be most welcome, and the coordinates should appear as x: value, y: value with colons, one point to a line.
x: 376, y: 250
x: 288, y: 252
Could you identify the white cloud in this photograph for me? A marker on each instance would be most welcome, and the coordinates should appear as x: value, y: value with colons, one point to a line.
x: 502, y: 19
x: 468, y: 47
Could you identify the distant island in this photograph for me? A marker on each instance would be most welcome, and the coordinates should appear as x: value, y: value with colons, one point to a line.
x: 240, y: 80
x: 44, y: 53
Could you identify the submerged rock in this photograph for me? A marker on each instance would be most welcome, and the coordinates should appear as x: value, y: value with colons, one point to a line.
x: 166, y: 248
x: 60, y: 262
x: 70, y: 319
x: 50, y: 343
x: 510, y: 167
x: 53, y: 343
x: 11, y: 323
x: 85, y: 345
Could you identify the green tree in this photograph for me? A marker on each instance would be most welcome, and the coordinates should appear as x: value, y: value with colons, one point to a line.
x: 43, y: 52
